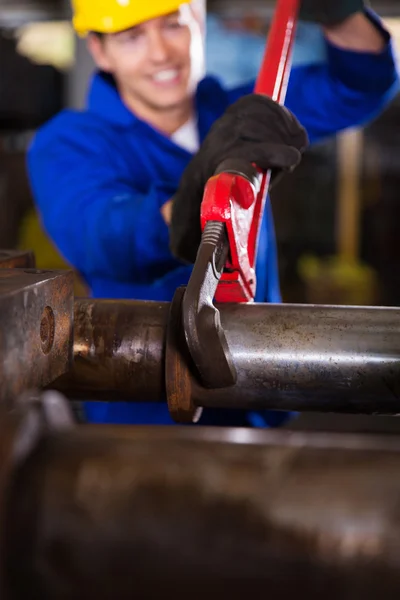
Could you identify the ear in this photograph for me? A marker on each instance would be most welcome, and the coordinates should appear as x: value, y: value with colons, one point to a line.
x: 97, y: 48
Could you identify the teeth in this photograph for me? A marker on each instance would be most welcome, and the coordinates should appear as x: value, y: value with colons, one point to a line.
x: 167, y: 75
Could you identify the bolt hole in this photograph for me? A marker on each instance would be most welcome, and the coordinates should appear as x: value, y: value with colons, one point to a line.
x: 47, y: 329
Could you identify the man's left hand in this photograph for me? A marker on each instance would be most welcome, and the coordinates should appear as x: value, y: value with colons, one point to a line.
x: 329, y: 12
x: 345, y: 24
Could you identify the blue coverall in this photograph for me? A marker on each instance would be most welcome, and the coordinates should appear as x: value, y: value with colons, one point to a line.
x: 100, y: 177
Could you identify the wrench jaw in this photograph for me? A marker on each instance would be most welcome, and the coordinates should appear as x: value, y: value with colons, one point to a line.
x: 205, y: 337
x: 197, y: 352
x: 232, y: 189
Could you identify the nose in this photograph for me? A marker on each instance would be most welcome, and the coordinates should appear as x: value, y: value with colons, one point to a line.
x: 158, y: 47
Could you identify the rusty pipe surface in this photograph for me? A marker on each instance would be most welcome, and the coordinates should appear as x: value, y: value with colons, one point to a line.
x: 107, y: 513
x: 119, y: 351
x: 290, y: 357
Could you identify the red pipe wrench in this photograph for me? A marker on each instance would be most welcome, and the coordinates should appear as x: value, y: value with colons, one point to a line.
x: 239, y: 201
x: 231, y: 216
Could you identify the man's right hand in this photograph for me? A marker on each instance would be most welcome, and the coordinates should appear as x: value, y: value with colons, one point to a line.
x: 255, y: 128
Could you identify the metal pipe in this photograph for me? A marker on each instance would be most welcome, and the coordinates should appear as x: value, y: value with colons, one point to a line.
x: 122, y: 513
x: 289, y: 357
x: 119, y: 351
x: 316, y: 358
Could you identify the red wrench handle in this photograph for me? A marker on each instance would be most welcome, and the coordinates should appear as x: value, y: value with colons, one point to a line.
x: 272, y: 81
x: 275, y: 69
x: 243, y: 237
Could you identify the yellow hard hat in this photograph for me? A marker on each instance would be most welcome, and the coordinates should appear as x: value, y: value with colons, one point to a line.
x: 111, y: 16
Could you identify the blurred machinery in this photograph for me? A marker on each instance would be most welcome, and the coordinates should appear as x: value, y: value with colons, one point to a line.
x: 108, y: 512
x: 21, y: 112
x: 14, y: 13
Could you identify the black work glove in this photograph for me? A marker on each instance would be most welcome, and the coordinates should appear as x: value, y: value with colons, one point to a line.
x: 329, y: 12
x: 256, y: 129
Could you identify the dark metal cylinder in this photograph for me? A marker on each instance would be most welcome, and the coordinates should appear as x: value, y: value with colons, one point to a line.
x: 289, y: 357
x: 119, y: 351
x: 123, y: 513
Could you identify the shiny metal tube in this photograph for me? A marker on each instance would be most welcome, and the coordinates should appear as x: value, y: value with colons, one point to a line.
x: 317, y: 358
x: 289, y: 357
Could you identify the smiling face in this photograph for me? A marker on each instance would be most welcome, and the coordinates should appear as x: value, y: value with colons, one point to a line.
x: 152, y: 63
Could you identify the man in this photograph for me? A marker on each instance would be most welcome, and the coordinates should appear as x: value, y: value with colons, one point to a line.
x: 104, y: 179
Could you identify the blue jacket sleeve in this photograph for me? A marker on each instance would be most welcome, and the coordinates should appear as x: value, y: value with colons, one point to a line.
x: 98, y: 220
x: 348, y: 90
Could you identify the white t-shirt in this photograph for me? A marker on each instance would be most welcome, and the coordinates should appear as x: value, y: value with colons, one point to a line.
x: 187, y: 136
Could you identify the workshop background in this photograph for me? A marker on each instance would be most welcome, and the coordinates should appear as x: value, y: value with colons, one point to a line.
x: 337, y: 216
